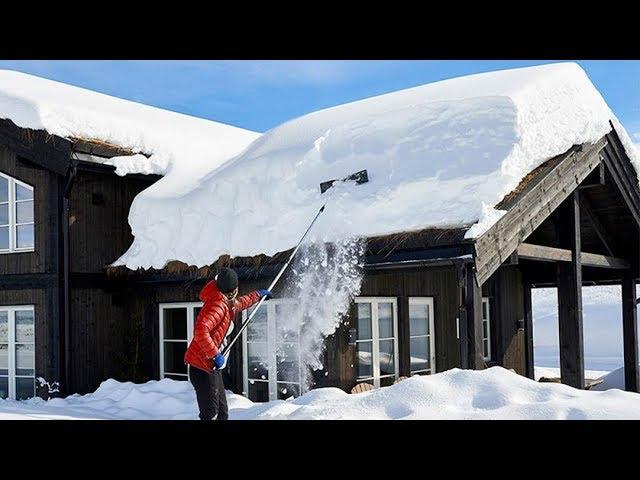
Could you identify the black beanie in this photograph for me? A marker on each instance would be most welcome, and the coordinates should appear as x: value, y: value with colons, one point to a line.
x: 227, y: 280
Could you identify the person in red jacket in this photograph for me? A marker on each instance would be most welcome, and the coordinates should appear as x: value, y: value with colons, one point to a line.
x: 203, y: 356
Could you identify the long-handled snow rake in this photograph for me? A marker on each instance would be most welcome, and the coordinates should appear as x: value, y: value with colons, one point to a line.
x: 359, y: 178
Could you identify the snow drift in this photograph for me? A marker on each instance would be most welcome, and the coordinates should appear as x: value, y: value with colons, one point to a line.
x: 495, y: 393
x: 183, y: 147
x: 438, y: 155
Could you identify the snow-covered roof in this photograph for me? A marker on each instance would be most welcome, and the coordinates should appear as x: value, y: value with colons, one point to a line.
x: 438, y: 155
x: 163, y: 141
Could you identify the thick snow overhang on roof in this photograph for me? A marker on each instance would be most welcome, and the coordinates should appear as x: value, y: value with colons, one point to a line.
x: 442, y: 155
x: 138, y: 137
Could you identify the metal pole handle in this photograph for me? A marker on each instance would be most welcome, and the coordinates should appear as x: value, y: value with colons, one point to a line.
x: 226, y: 349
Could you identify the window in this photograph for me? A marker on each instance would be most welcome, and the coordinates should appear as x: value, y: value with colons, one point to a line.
x: 421, y: 335
x: 16, y: 216
x: 176, y: 331
x: 377, y: 342
x: 17, y: 352
x: 486, y: 329
x: 271, y: 366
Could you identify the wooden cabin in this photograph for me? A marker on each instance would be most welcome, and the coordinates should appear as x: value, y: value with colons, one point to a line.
x: 430, y: 300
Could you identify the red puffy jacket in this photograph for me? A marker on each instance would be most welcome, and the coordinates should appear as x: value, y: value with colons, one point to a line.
x: 212, y: 324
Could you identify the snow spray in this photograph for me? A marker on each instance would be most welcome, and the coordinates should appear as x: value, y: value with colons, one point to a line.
x: 322, y: 282
x: 323, y: 279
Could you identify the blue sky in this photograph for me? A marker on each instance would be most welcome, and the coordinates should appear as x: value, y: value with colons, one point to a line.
x: 258, y: 95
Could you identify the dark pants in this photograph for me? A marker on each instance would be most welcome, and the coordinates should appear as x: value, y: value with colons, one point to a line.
x: 210, y: 394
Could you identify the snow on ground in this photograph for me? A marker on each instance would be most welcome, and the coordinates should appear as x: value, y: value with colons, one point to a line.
x: 495, y: 393
x: 552, y: 372
x: 440, y: 154
x: 185, y: 147
x: 612, y: 380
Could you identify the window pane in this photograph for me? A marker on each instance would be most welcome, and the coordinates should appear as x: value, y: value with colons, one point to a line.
x: 174, y: 357
x: 24, y: 212
x: 4, y: 214
x: 385, y: 320
x: 419, y: 319
x: 25, y: 359
x: 257, y: 329
x: 25, y: 388
x: 419, y: 353
x: 285, y: 329
x: 4, y: 326
x: 4, y: 359
x: 4, y: 238
x: 485, y: 348
x: 24, y: 326
x: 25, y: 236
x: 484, y: 310
x: 257, y: 362
x: 287, y: 363
x: 387, y: 360
x: 364, y: 321
x: 365, y: 364
x: 286, y: 390
x: 23, y: 193
x: 4, y: 189
x: 387, y: 382
x: 258, y: 391
x: 177, y: 377
x: 4, y: 385
x: 485, y: 334
x: 175, y: 323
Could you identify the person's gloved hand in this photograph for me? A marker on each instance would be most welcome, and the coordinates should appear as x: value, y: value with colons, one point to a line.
x: 218, y: 360
x: 265, y: 293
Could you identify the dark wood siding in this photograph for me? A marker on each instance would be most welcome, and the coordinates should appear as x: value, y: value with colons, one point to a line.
x: 506, y: 290
x: 98, y: 219
x: 105, y: 330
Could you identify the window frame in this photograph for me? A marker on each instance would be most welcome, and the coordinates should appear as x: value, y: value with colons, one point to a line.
x: 271, y: 342
x: 375, y: 339
x: 429, y: 301
x: 11, y: 347
x: 486, y: 301
x: 191, y: 320
x: 12, y: 203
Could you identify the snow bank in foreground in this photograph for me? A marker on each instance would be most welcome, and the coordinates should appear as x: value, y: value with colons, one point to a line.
x: 185, y: 147
x: 495, y: 393
x: 438, y: 155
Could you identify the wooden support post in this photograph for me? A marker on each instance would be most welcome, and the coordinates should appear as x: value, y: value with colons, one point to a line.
x: 461, y: 320
x: 570, y: 297
x: 473, y: 308
x: 528, y: 331
x: 630, y: 333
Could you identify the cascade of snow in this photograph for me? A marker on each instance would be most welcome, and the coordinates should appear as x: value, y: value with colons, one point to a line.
x: 323, y: 282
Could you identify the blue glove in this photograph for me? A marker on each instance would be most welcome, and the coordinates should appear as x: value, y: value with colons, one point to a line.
x: 218, y: 360
x: 265, y: 293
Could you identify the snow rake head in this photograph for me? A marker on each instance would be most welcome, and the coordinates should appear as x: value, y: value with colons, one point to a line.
x: 359, y: 177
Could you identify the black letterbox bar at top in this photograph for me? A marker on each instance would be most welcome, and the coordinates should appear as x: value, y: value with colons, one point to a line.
x: 359, y: 177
